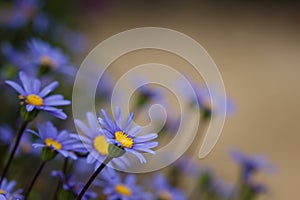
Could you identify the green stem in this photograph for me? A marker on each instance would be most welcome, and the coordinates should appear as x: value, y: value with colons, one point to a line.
x: 34, y: 179
x: 59, y: 184
x: 92, y: 178
x: 12, y: 154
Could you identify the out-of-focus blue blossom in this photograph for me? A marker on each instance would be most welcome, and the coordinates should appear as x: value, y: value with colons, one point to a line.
x: 47, y: 57
x: 33, y: 97
x: 94, y: 142
x: 105, y: 87
x: 201, y: 97
x: 7, y: 190
x: 81, y: 167
x: 28, y: 11
x: 25, y: 146
x: 125, y: 137
x: 172, y: 124
x: 116, y: 188
x: 222, y: 189
x: 6, y: 135
x: 59, y: 141
x: 15, y: 57
x: 250, y: 164
x: 186, y: 165
x: 163, y: 190
x: 70, y: 184
x: 74, y: 41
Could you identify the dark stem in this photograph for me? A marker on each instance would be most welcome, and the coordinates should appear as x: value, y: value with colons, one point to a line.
x: 34, y: 179
x: 92, y: 178
x: 2, y: 159
x: 12, y: 154
x: 59, y: 184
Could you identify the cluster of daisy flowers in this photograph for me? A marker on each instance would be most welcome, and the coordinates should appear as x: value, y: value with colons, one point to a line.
x: 104, y: 141
x: 53, y: 161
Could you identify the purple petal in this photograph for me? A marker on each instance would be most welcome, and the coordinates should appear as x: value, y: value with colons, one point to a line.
x: 145, y: 138
x: 26, y: 82
x: 16, y: 86
x: 134, y: 130
x: 49, y: 88
x: 128, y: 122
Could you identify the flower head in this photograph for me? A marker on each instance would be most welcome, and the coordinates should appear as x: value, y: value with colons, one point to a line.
x: 73, y: 186
x: 48, y: 57
x: 7, y: 190
x: 33, y: 97
x: 28, y: 11
x: 6, y: 135
x: 250, y: 164
x: 94, y: 142
x: 60, y: 142
x: 116, y: 188
x: 125, y: 137
x: 164, y: 190
x: 201, y: 97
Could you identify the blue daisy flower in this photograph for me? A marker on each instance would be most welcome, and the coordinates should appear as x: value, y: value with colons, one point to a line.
x: 7, y: 190
x: 125, y: 136
x: 33, y: 97
x: 70, y: 184
x: 250, y: 164
x: 60, y: 142
x: 203, y: 99
x: 164, y: 190
x: 94, y: 142
x: 44, y: 55
x: 6, y: 135
x: 28, y: 12
x: 116, y: 188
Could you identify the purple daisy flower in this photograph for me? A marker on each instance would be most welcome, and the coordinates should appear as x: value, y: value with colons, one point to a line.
x: 70, y: 184
x: 15, y: 57
x: 44, y: 55
x: 28, y: 12
x: 61, y: 141
x: 7, y: 190
x: 250, y: 164
x: 33, y: 97
x: 116, y: 188
x: 94, y: 142
x: 164, y: 190
x: 125, y: 136
x: 203, y: 99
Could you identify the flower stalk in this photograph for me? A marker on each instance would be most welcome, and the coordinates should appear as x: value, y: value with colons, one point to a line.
x: 92, y: 178
x: 16, y: 144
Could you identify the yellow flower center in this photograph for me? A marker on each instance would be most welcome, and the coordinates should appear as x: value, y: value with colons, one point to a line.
x: 165, y: 195
x: 34, y: 100
x: 2, y: 192
x: 53, y: 143
x: 123, y: 190
x: 46, y: 61
x: 101, y: 145
x: 123, y: 139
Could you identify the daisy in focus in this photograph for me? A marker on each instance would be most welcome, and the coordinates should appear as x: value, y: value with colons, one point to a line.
x: 125, y: 137
x: 33, y: 97
x: 51, y: 138
x: 94, y: 142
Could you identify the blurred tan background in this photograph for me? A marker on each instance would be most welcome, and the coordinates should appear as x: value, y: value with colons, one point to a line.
x: 257, y: 49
